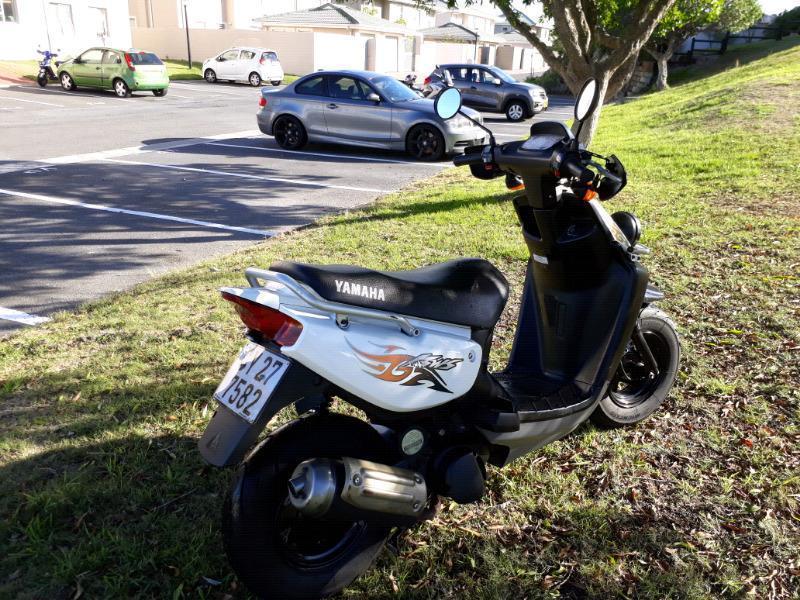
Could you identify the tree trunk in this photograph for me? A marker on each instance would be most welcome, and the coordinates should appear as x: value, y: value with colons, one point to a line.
x: 663, y: 71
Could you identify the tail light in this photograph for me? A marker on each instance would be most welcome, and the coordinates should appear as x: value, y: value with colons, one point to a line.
x: 272, y: 324
x: 262, y: 101
x: 129, y: 61
x: 262, y: 61
x: 427, y: 80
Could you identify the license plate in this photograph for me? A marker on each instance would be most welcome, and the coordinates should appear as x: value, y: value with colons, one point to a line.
x: 250, y: 381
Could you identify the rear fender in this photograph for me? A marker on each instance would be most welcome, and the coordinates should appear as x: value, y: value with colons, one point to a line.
x: 227, y: 437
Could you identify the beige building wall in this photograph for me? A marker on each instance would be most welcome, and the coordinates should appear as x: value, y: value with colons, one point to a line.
x: 295, y: 49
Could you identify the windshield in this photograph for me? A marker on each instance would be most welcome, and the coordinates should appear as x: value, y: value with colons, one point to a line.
x: 393, y: 89
x: 502, y: 75
x: 145, y: 58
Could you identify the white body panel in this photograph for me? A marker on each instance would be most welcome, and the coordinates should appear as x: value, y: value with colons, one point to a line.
x: 374, y: 359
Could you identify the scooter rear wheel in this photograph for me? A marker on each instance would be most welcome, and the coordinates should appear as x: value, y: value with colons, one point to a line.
x: 274, y: 550
x: 635, y: 391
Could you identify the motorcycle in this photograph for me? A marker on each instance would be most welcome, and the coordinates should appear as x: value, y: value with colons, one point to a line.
x: 410, y: 81
x: 314, y: 502
x: 46, y: 73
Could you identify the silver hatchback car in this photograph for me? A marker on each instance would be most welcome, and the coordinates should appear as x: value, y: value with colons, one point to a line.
x: 364, y: 109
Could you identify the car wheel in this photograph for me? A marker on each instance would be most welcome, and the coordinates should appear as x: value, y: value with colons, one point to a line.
x: 425, y: 142
x: 289, y: 133
x: 121, y: 89
x: 67, y: 82
x: 210, y: 76
x: 254, y: 79
x: 278, y: 82
x: 515, y: 111
x: 160, y: 93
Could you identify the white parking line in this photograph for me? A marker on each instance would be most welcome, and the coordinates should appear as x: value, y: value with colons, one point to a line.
x: 196, y: 88
x: 137, y: 213
x: 248, y: 176
x: 9, y: 314
x: 31, y: 101
x: 327, y: 155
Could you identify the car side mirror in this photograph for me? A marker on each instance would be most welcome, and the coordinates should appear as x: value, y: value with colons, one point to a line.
x: 220, y: 59
x: 497, y: 81
x: 373, y: 97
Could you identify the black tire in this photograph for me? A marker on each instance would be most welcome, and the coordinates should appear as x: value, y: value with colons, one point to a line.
x: 42, y: 80
x: 254, y: 79
x: 516, y: 111
x: 67, y: 82
x: 266, y: 554
x: 289, y: 132
x: 276, y: 83
x: 426, y: 143
x: 210, y: 76
x: 121, y: 88
x: 635, y: 392
x: 160, y: 93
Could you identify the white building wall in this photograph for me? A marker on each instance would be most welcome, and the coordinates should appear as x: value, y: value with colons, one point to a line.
x: 72, y: 25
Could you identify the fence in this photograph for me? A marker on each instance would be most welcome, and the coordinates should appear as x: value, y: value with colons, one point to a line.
x: 704, y: 46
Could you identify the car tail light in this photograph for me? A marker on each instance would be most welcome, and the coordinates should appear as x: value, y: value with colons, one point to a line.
x: 427, y: 80
x: 262, y: 101
x: 272, y: 324
x: 129, y: 60
x: 262, y: 61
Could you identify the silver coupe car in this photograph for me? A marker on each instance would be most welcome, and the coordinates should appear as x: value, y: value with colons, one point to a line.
x: 364, y: 109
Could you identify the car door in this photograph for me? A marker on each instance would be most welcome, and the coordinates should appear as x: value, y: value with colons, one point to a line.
x: 87, y: 68
x: 349, y: 116
x: 226, y: 64
x: 246, y: 64
x: 111, y: 66
x: 486, y: 91
x: 311, y: 98
x: 463, y: 81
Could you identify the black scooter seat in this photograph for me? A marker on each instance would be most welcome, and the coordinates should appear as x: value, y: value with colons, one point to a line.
x: 467, y: 291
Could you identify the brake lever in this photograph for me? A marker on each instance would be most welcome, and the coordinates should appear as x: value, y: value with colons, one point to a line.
x: 605, y: 172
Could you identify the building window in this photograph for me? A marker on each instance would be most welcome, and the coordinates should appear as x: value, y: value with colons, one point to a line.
x: 59, y: 19
x: 8, y: 12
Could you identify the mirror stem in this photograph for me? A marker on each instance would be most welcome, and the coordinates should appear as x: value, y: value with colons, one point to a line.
x: 482, y: 126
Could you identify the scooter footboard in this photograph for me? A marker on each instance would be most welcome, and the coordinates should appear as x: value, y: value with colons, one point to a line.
x: 228, y: 437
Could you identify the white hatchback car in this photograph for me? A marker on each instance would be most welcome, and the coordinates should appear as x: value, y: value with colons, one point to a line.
x: 254, y: 65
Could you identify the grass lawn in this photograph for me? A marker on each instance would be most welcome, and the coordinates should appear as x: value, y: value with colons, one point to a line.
x: 102, y: 491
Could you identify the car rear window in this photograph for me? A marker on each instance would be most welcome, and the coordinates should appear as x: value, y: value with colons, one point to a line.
x: 145, y: 58
x: 269, y: 56
x: 314, y: 86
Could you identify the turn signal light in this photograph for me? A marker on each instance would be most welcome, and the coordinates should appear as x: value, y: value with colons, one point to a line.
x: 262, y: 101
x: 272, y: 324
x: 590, y: 195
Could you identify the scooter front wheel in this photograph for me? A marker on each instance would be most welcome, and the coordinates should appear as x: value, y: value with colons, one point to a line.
x: 273, y: 549
x: 42, y: 80
x: 637, y: 390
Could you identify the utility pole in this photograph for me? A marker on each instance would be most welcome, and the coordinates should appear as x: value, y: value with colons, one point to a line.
x: 186, y: 25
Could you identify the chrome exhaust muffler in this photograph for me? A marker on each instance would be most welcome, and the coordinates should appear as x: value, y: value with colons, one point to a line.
x: 355, y: 488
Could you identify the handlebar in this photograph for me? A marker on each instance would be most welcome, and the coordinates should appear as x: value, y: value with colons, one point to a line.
x: 575, y: 169
x: 462, y: 160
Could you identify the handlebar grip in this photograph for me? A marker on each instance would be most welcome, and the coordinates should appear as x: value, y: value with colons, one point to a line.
x: 468, y: 159
x: 575, y: 169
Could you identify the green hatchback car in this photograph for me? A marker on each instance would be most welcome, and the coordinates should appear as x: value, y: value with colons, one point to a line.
x: 118, y: 70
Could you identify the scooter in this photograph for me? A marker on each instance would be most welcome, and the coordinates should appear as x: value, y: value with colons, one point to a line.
x: 46, y: 72
x: 313, y: 503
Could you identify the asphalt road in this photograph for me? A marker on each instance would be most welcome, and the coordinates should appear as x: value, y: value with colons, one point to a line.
x: 99, y: 193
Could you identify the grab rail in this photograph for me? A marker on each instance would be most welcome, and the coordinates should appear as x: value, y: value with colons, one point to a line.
x: 313, y: 299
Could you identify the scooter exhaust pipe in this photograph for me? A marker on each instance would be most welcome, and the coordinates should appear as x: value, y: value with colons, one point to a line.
x: 357, y: 489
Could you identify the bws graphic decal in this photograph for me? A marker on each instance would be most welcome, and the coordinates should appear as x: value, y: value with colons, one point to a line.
x: 407, y: 369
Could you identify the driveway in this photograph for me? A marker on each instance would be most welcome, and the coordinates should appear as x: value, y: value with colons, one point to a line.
x: 99, y: 193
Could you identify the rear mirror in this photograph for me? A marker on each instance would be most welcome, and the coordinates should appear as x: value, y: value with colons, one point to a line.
x: 497, y: 81
x: 586, y: 101
x: 373, y: 97
x: 448, y: 103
